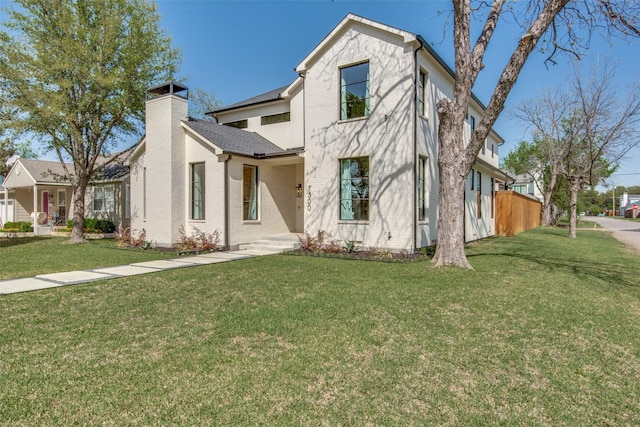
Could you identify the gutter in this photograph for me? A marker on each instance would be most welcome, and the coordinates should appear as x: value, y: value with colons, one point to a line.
x: 227, y: 232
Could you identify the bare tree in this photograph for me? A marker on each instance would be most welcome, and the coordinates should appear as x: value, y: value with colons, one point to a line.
x: 202, y: 102
x: 545, y: 115
x: 601, y: 130
x: 567, y: 25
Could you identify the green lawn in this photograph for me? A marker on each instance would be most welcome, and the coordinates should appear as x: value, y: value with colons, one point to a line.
x: 26, y: 257
x: 544, y: 332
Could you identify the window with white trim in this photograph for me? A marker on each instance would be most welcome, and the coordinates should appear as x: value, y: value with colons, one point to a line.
x: 103, y: 198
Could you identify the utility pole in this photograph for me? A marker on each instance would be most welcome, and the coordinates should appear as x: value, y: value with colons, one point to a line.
x: 614, y: 200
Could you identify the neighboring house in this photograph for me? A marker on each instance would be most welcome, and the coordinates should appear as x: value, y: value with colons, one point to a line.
x: 526, y: 184
x: 44, y: 184
x: 627, y: 204
x: 349, y: 147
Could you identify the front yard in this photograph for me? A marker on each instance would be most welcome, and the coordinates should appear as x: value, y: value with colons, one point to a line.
x: 29, y: 256
x: 544, y: 332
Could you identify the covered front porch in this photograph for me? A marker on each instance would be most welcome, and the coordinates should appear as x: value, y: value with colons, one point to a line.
x: 35, y: 191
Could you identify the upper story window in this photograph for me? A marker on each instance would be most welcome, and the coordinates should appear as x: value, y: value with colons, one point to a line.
x: 422, y: 84
x: 275, y: 118
x: 354, y: 91
x: 240, y: 124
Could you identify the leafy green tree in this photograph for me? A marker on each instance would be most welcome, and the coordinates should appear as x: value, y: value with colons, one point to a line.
x: 8, y: 150
x: 74, y: 74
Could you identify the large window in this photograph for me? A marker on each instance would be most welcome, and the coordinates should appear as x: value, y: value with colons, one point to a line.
x: 479, y: 193
x: 422, y: 199
x: 197, y: 191
x: 422, y: 84
x: 493, y: 197
x: 354, y: 91
x: 103, y: 199
x: 354, y: 189
x: 250, y: 192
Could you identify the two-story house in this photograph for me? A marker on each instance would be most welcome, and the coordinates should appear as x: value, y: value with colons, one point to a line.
x: 349, y: 147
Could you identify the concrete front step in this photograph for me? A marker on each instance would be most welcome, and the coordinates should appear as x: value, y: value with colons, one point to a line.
x: 274, y: 243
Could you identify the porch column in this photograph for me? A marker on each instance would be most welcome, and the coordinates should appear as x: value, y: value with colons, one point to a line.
x: 5, y: 214
x: 35, y: 209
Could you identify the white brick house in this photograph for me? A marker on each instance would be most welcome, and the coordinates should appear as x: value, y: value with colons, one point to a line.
x: 350, y: 147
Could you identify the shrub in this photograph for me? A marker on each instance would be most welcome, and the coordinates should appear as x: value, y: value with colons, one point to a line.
x: 309, y: 243
x: 333, y: 247
x: 123, y: 236
x: 198, y: 240
x: 95, y: 225
x: 20, y: 226
x: 350, y: 246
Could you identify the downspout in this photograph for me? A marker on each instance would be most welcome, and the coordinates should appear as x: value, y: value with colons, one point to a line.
x: 415, y: 147
x: 227, y: 233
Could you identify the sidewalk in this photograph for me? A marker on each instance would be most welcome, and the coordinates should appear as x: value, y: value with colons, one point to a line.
x: 54, y: 280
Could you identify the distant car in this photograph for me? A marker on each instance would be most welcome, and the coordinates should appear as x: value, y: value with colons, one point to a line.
x: 583, y: 213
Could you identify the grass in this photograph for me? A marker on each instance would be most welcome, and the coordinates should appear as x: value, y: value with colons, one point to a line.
x: 545, y: 331
x: 26, y: 257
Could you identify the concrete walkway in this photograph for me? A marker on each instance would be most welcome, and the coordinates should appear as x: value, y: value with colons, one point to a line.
x: 54, y: 280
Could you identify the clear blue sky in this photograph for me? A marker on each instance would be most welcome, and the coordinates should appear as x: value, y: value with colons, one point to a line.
x: 243, y: 48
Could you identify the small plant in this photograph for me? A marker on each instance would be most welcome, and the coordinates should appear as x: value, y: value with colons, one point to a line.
x: 310, y: 243
x: 381, y: 253
x: 198, y: 240
x: 428, y: 251
x: 145, y: 245
x: 350, y: 246
x: 333, y: 247
x: 123, y: 236
x: 140, y: 239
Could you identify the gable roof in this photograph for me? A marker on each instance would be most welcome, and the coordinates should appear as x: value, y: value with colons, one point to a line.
x: 235, y: 141
x: 272, y: 95
x: 407, y: 37
x: 43, y: 171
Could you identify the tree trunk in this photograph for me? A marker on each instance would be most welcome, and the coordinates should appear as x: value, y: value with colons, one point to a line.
x: 547, y: 217
x: 77, y: 233
x: 452, y: 179
x: 573, y: 216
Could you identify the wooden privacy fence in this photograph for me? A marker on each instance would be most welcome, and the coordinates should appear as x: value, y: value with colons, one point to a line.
x: 516, y: 213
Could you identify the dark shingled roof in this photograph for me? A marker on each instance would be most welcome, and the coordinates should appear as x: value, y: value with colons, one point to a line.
x: 272, y: 95
x: 234, y: 140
